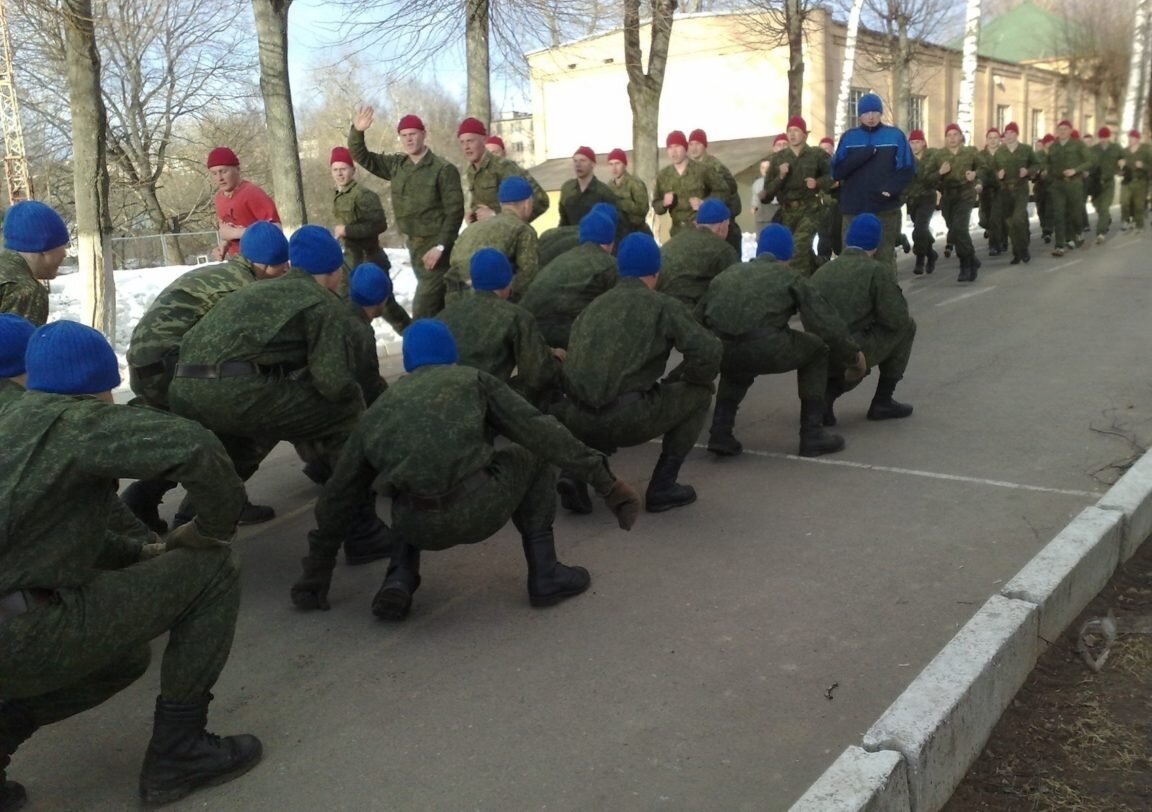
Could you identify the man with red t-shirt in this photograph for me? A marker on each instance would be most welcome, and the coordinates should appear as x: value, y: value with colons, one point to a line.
x: 239, y: 203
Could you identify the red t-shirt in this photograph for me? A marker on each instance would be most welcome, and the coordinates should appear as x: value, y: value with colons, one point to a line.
x: 246, y: 204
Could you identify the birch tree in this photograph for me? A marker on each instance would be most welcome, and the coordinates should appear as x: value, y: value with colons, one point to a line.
x: 645, y: 87
x: 966, y: 107
x: 1137, y: 66
x: 843, y: 115
x: 784, y: 22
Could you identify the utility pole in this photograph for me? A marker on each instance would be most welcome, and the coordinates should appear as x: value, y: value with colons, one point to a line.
x: 11, y: 130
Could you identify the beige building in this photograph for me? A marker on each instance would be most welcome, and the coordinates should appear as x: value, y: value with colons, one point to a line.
x: 517, y: 132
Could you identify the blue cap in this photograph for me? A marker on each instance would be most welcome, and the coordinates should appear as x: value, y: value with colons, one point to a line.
x: 69, y: 358
x: 597, y: 228
x: 14, y: 334
x: 608, y: 210
x: 638, y: 255
x: 32, y: 227
x: 712, y: 211
x: 264, y: 242
x: 869, y: 103
x: 315, y: 250
x: 864, y: 232
x: 776, y: 240
x: 490, y: 270
x: 428, y: 341
x: 369, y: 284
x: 513, y: 189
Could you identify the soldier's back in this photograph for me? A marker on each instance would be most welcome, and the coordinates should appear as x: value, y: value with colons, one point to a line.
x: 690, y: 260
x: 484, y: 327
x: 847, y: 283
x: 566, y: 285
x: 20, y: 292
x: 750, y: 295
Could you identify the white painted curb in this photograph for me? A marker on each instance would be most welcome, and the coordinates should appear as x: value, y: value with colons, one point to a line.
x: 1132, y: 496
x: 859, y: 781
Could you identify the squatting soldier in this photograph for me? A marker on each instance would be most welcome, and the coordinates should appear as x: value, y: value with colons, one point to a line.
x: 497, y: 336
x: 796, y: 178
x: 360, y: 221
x: 579, y: 194
x: 631, y: 193
x: 1135, y: 165
x: 730, y: 191
x: 693, y: 258
x: 485, y: 172
x: 1014, y: 164
x: 873, y: 306
x: 508, y: 232
x: 427, y: 200
x: 239, y: 203
x: 748, y: 306
x: 79, y: 605
x: 614, y: 376
x: 959, y: 168
x: 560, y: 240
x: 683, y: 184
x: 450, y: 485
x: 567, y: 284
x: 15, y: 331
x: 1108, y: 156
x: 920, y: 200
x: 35, y: 244
x: 1067, y: 161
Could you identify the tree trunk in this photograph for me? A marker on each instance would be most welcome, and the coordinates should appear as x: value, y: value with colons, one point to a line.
x: 476, y: 30
x: 644, y: 89
x: 901, y: 74
x: 794, y: 24
x: 1136, y: 67
x: 283, y: 149
x: 966, y: 107
x: 89, y: 166
x: 843, y: 114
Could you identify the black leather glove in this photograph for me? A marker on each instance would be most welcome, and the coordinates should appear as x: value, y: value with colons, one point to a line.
x: 311, y: 590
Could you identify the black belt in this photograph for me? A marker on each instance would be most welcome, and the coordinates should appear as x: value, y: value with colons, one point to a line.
x: 14, y: 604
x: 151, y: 370
x: 444, y: 500
x: 751, y: 335
x: 626, y: 399
x: 233, y: 369
x: 795, y: 204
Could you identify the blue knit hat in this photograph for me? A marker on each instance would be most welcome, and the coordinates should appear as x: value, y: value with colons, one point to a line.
x: 607, y: 210
x: 428, y: 341
x: 14, y: 334
x: 869, y: 103
x: 369, y: 284
x: 514, y: 189
x: 265, y: 243
x: 864, y: 232
x: 638, y: 255
x: 712, y: 211
x: 490, y: 270
x: 32, y: 227
x: 69, y: 358
x: 597, y: 228
x: 776, y: 240
x: 314, y: 250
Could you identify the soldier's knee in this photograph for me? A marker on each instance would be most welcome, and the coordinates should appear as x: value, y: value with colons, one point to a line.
x: 136, y: 661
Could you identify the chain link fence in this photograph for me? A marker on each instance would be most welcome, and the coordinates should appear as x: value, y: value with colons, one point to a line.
x: 158, y: 250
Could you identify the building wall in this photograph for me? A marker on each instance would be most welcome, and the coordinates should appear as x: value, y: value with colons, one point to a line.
x: 518, y: 134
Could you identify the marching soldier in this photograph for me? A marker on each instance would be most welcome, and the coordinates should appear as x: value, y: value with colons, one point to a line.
x: 1014, y: 164
x: 698, y: 151
x: 683, y: 185
x: 920, y: 200
x: 797, y: 176
x: 631, y: 193
x: 485, y: 172
x: 579, y: 194
x: 959, y: 168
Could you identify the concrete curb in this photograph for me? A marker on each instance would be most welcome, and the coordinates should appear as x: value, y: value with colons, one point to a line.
x: 936, y: 728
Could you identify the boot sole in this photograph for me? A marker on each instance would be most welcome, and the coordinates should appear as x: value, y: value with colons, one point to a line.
x: 392, y: 604
x: 663, y: 506
x: 888, y: 416
x: 166, y: 796
x: 544, y: 601
x: 725, y: 452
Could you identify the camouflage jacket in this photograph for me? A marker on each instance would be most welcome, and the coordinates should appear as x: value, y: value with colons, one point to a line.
x: 178, y: 307
x: 574, y: 203
x: 1107, y: 156
x: 556, y: 241
x: 954, y: 182
x: 567, y: 284
x: 1131, y: 172
x: 697, y: 181
x: 506, y: 233
x: 291, y: 322
x: 863, y: 291
x: 20, y: 292
x: 730, y: 192
x: 358, y: 209
x: 792, y: 190
x: 427, y: 197
x: 70, y: 451
x: 631, y: 199
x: 764, y: 293
x: 622, y: 340
x: 367, y: 359
x: 927, y: 177
x: 1072, y: 155
x: 690, y: 260
x: 483, y: 184
x: 9, y: 391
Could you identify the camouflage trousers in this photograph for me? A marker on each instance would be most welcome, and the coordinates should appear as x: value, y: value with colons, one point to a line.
x: 1014, y: 209
x: 920, y: 211
x: 891, y: 223
x: 429, y: 298
x: 152, y: 390
x: 957, y: 211
x: 890, y: 351
x: 804, y: 223
x: 831, y: 235
x: 396, y: 316
x: 1067, y: 200
x: 520, y: 486
x: 1102, y: 203
x: 90, y: 642
x: 1040, y: 192
x: 1132, y: 202
x: 992, y: 217
x: 771, y: 353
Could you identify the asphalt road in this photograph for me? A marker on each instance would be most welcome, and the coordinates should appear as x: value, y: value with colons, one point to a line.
x: 728, y: 651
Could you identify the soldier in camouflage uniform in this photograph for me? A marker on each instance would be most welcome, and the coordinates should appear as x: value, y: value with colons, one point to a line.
x: 1108, y: 155
x: 796, y: 178
x: 872, y: 305
x: 1066, y: 162
x: 991, y: 217
x: 14, y: 334
x: 959, y: 169
x: 497, y: 336
x: 508, y: 232
x: 427, y: 199
x: 35, y: 244
x: 1041, y: 188
x: 618, y: 394
x: 79, y: 604
x: 567, y: 284
x: 1014, y: 164
x: 830, y: 239
x: 485, y: 172
x: 430, y: 438
x: 579, y: 194
x: 683, y: 185
x: 1136, y: 163
x: 729, y: 191
x: 920, y: 201
x: 693, y: 258
x: 631, y: 193
x: 748, y: 306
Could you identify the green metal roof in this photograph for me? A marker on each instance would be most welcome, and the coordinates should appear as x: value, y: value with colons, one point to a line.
x: 1027, y: 33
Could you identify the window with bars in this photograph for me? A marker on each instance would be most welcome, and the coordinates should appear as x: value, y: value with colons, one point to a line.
x: 916, y: 112
x: 850, y: 117
x: 1038, y: 124
x: 1003, y: 116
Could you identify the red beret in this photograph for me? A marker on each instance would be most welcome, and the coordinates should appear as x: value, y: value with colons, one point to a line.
x: 1012, y: 126
x: 779, y: 138
x: 916, y: 135
x: 340, y: 155
x: 992, y: 130
x: 495, y: 139
x: 1104, y: 132
x: 953, y: 126
x: 1065, y: 123
x: 676, y: 138
x: 827, y: 140
x: 798, y: 122
x: 1133, y: 133
x: 699, y: 135
x: 587, y: 152
x: 222, y: 156
x: 1075, y: 133
x: 1048, y: 138
x: 618, y: 155
x: 471, y: 126
x: 410, y: 122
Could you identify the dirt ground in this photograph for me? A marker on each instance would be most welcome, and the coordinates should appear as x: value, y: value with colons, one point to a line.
x: 1074, y: 739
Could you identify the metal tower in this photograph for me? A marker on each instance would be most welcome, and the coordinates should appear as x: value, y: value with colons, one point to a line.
x: 15, y: 161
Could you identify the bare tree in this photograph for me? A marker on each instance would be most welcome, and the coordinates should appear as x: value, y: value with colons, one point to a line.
x: 476, y: 31
x: 842, y: 115
x: 967, y: 102
x: 1136, y: 67
x: 645, y: 87
x: 784, y: 22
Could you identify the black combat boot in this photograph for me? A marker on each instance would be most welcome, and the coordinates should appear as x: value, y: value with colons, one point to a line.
x: 183, y: 756
x: 973, y: 267
x: 143, y: 498
x: 814, y: 441
x: 370, y: 539
x: 249, y: 514
x: 720, y: 438
x: 664, y: 493
x: 549, y: 581
x: 1026, y: 257
x: 573, y: 494
x: 932, y: 257
x: 394, y: 600
x: 965, y: 265
x: 1016, y: 259
x: 16, y: 726
x: 318, y: 471
x: 883, y: 406
x: 919, y: 269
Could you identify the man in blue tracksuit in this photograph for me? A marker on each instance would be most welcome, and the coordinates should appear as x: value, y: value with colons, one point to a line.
x: 874, y: 163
